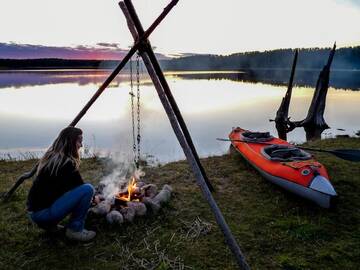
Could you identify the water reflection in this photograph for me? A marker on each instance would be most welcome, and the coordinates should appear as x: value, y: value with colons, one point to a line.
x: 348, y: 79
x: 18, y: 79
x: 342, y: 79
x: 32, y: 116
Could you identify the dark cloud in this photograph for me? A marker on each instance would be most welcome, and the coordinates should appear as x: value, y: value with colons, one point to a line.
x: 108, y: 45
x: 28, y: 51
x: 102, y: 51
x: 176, y: 55
x: 80, y: 47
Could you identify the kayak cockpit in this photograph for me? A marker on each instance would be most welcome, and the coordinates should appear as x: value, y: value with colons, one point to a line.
x: 249, y: 136
x: 285, y: 153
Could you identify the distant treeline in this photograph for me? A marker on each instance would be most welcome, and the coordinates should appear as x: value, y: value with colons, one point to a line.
x: 274, y: 66
x: 54, y: 63
x: 315, y: 58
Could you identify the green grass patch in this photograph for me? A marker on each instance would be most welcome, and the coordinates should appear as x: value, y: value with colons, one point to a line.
x: 275, y: 229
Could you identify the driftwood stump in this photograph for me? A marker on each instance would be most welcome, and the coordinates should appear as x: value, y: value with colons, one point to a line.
x: 315, y: 116
x: 314, y: 123
x: 282, y: 120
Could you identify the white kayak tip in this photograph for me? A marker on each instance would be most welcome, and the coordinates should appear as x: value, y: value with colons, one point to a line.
x: 323, y: 185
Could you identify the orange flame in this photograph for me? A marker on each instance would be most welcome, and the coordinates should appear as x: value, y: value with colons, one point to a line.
x: 131, y: 188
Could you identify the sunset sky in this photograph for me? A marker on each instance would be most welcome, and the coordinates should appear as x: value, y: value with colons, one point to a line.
x: 193, y: 26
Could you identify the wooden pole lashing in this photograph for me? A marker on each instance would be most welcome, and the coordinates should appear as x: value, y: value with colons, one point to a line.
x: 137, y: 45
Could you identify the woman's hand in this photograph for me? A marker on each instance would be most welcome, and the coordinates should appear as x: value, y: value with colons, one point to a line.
x: 96, y: 199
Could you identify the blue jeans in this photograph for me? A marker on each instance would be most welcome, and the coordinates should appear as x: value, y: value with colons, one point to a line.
x: 75, y: 202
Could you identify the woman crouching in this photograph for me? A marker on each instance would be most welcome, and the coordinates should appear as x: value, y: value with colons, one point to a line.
x: 59, y: 190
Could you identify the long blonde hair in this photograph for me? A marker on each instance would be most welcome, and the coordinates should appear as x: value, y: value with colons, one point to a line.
x: 61, y: 151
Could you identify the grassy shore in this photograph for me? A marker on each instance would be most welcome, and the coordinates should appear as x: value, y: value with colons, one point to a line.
x: 275, y: 229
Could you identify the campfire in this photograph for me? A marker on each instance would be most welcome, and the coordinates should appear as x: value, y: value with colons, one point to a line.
x: 135, y: 198
x: 132, y: 194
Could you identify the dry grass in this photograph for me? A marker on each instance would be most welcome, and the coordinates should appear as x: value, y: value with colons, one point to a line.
x: 275, y: 229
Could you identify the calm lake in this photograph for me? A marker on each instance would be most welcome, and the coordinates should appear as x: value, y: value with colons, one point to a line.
x: 36, y: 105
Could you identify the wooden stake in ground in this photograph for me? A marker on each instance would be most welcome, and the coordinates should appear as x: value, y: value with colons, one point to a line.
x: 282, y: 114
x: 174, y: 116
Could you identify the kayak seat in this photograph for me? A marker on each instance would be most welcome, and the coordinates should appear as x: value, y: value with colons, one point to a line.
x: 284, y: 153
x: 249, y: 136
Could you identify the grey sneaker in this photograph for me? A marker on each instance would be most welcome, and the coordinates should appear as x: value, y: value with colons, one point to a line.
x: 82, y: 236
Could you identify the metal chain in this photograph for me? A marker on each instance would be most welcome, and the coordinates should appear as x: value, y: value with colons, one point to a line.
x: 138, y: 107
x: 132, y: 108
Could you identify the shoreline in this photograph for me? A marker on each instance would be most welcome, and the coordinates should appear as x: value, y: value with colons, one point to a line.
x: 275, y: 229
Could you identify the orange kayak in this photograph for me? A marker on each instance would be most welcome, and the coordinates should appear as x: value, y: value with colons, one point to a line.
x: 285, y: 165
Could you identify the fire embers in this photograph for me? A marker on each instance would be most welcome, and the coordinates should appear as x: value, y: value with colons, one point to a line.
x: 135, y: 199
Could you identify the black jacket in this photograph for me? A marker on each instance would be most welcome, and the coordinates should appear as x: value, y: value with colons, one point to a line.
x: 47, y: 187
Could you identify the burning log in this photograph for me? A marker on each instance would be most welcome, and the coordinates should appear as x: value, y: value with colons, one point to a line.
x: 130, y: 194
x: 135, y: 199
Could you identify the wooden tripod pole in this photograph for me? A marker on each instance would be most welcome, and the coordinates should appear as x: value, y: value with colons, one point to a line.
x: 101, y: 89
x: 132, y: 51
x: 230, y: 239
x: 138, y: 31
